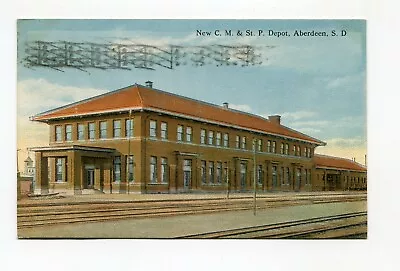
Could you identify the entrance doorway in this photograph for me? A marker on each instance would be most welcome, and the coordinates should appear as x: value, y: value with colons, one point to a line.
x: 90, y: 178
x: 243, y: 169
x: 298, y: 179
x: 187, y: 174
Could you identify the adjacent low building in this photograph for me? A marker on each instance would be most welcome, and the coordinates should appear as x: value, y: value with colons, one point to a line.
x: 142, y: 140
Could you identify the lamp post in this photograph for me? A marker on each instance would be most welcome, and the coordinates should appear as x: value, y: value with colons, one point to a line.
x: 254, y: 176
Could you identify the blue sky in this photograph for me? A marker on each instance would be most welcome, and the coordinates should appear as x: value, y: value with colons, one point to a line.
x: 317, y: 84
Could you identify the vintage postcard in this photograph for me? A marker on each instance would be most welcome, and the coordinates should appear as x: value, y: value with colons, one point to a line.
x: 173, y: 129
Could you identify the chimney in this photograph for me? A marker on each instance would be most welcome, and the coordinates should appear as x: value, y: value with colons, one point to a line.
x: 225, y: 105
x: 149, y: 84
x: 275, y: 119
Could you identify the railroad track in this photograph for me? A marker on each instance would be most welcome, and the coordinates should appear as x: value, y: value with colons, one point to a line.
x: 349, y: 225
x: 41, y: 214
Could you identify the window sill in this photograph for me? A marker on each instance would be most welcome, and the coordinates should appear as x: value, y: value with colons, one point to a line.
x: 155, y: 184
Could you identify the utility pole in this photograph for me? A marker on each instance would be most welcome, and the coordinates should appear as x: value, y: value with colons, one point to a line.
x: 254, y: 176
x: 129, y: 150
x: 227, y: 180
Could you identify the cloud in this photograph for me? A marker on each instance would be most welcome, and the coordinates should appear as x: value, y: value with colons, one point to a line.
x: 354, y: 142
x: 241, y: 107
x: 38, y: 95
x: 298, y: 115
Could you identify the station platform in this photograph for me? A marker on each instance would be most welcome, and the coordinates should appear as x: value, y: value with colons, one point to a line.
x: 170, y: 197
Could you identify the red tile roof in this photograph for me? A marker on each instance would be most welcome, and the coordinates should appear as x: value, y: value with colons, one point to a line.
x: 139, y: 97
x: 324, y: 161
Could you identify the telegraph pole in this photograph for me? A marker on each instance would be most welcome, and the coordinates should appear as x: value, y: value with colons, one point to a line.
x: 129, y: 150
x: 254, y: 176
x: 227, y: 180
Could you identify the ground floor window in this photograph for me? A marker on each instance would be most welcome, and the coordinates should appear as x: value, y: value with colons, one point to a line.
x: 259, y: 174
x: 153, y: 169
x: 287, y: 176
x: 164, y: 170
x: 117, y: 169
x: 130, y: 172
x: 59, y: 169
x: 203, y: 172
x: 219, y: 172
x: 211, y: 171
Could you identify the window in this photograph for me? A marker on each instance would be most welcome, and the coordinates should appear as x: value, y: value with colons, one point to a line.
x: 164, y: 170
x: 259, y: 174
x: 59, y: 169
x: 210, y: 137
x: 269, y: 146
x: 129, y: 128
x: 203, y: 172
x: 189, y: 134
x: 305, y: 152
x: 294, y: 149
x: 203, y: 136
x: 282, y: 148
x: 179, y: 133
x: 287, y: 176
x: 219, y: 172
x: 253, y: 144
x: 130, y: 173
x: 298, y: 151
x: 211, y: 171
x: 92, y: 130
x: 116, y: 128
x: 164, y: 130
x: 58, y: 133
x: 286, y: 148
x: 81, y: 132
x: 226, y: 172
x: 68, y: 132
x: 153, y: 169
x: 103, y: 129
x: 218, y: 139
x: 244, y: 142
x: 226, y: 140
x: 153, y: 128
x: 259, y: 145
x: 237, y: 142
x: 117, y: 169
x: 273, y: 146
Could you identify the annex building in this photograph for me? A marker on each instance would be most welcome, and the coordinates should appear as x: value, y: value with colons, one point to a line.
x: 142, y: 140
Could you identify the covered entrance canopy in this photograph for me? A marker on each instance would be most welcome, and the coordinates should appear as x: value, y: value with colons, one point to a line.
x: 71, y: 169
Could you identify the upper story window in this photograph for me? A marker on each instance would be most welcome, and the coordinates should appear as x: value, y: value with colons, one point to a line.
x: 269, y: 146
x: 286, y: 148
x: 68, y: 132
x: 260, y: 145
x: 237, y: 142
x: 103, y: 129
x: 189, y: 134
x: 226, y: 140
x: 211, y: 171
x: 81, y: 131
x: 219, y: 172
x: 164, y: 130
x: 92, y: 130
x: 179, y: 133
x: 129, y: 128
x: 244, y: 142
x: 203, y: 136
x: 153, y: 128
x: 117, y: 128
x: 218, y: 139
x: 58, y: 133
x: 210, y: 137
x: 305, y: 152
x: 294, y: 149
x: 282, y: 148
x: 273, y: 146
x: 298, y: 151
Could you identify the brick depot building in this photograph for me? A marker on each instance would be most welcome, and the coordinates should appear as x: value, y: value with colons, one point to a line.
x: 142, y: 140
